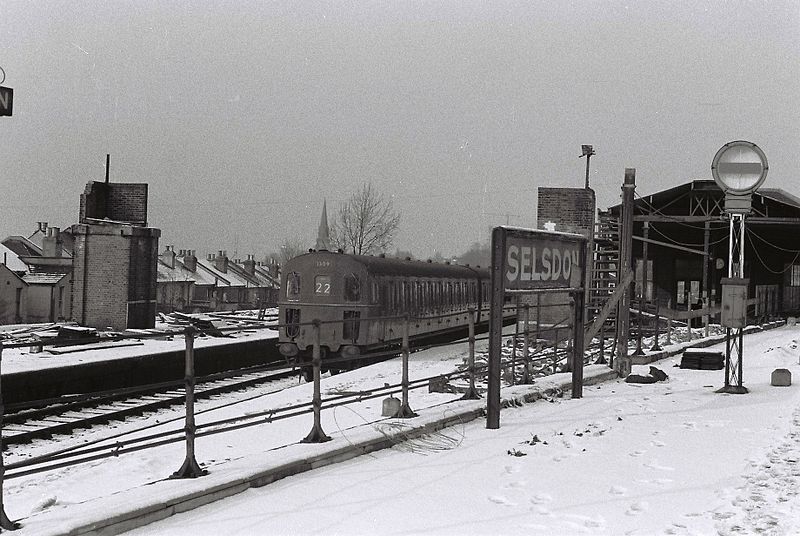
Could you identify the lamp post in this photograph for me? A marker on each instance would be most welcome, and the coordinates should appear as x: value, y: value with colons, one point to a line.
x: 739, y: 168
x: 588, y: 151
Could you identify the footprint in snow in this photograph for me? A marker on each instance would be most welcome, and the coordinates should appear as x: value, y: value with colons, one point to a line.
x: 588, y: 522
x: 618, y: 490
x: 511, y: 469
x: 541, y: 498
x: 499, y: 499
x: 637, y: 508
x: 655, y: 465
x: 519, y: 484
x: 636, y: 453
x: 657, y: 443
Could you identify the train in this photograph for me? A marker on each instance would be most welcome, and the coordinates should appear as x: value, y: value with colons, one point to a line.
x: 361, y: 301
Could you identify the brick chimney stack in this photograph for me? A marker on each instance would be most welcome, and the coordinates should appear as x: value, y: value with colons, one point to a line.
x: 168, y: 257
x: 250, y: 265
x: 52, y: 244
x: 190, y: 261
x: 221, y: 262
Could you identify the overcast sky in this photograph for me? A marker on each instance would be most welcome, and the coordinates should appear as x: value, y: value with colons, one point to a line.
x: 243, y: 116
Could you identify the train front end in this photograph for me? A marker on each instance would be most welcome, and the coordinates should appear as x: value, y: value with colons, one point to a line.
x: 328, y: 287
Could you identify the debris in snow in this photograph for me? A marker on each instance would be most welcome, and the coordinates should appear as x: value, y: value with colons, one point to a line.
x: 656, y: 375
x: 517, y: 453
x: 45, y: 503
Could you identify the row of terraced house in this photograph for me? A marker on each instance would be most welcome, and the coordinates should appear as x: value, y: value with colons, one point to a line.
x: 214, y: 283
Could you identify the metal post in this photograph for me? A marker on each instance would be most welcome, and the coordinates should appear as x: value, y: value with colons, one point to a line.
x: 190, y: 467
x: 689, y: 314
x: 472, y: 393
x: 656, y: 347
x: 405, y: 411
x: 669, y: 323
x: 735, y: 336
x: 602, y: 359
x: 577, y: 346
x: 526, y: 377
x: 555, y: 351
x: 316, y: 435
x: 5, y: 522
x: 514, y: 347
x: 639, y: 350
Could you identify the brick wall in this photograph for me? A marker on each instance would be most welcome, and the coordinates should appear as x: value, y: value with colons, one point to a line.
x: 571, y: 209
x: 114, y: 275
x: 116, y: 201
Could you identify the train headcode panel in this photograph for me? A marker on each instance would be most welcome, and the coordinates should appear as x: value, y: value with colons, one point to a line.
x: 530, y: 261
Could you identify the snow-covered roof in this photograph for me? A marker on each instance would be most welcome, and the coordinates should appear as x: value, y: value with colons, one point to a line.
x: 11, y: 260
x: 178, y: 273
x: 40, y: 278
x: 22, y: 246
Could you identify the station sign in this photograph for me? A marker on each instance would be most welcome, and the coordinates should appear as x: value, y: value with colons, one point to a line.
x: 529, y: 261
x: 6, y: 100
x: 537, y: 261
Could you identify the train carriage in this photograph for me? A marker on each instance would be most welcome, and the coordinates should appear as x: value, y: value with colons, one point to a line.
x: 361, y: 302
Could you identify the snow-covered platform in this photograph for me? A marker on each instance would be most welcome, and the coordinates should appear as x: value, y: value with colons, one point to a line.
x: 118, y: 494
x: 33, y: 373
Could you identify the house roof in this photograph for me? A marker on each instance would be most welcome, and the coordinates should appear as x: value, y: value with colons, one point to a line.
x: 39, y: 278
x: 178, y: 273
x: 11, y: 259
x: 22, y: 246
x: 786, y: 202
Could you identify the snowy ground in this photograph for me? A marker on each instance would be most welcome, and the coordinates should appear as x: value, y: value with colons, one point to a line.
x: 666, y: 458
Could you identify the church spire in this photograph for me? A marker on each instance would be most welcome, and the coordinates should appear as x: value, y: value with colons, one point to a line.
x: 324, y: 235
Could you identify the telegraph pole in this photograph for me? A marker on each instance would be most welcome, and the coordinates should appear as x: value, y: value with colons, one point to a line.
x: 623, y: 362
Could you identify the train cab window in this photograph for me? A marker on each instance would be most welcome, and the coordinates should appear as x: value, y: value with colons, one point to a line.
x: 352, y: 288
x: 292, y: 286
x: 322, y: 285
x: 352, y: 325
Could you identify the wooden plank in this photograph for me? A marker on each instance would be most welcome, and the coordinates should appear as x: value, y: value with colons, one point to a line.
x: 606, y: 310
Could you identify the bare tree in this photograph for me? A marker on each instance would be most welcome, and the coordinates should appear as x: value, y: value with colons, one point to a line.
x: 291, y: 248
x: 366, y: 223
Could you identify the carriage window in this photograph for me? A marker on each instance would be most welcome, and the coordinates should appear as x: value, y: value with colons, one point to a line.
x: 293, y: 286
x: 352, y: 288
x: 322, y: 285
x: 384, y: 298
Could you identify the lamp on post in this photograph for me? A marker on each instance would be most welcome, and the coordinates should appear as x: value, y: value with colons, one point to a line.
x: 588, y: 151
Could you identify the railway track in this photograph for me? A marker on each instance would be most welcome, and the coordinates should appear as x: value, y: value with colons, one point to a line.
x: 45, y: 418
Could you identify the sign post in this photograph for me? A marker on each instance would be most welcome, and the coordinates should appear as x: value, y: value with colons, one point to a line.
x: 739, y: 168
x: 526, y: 261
